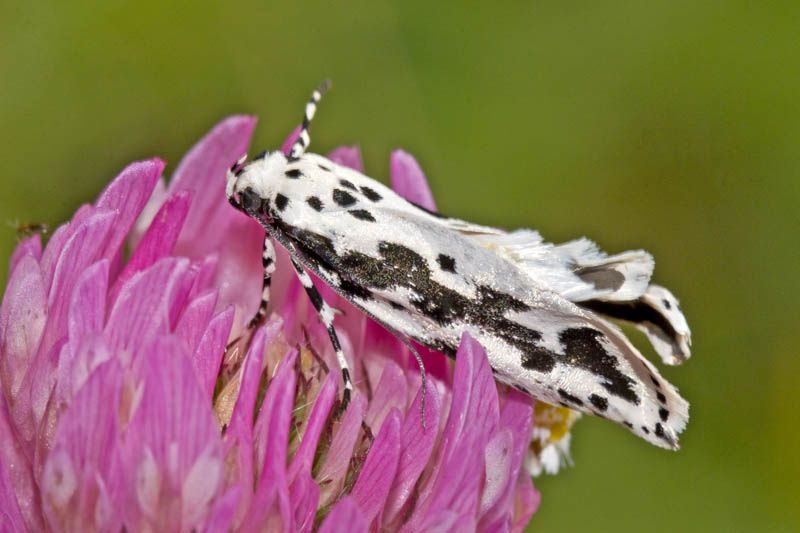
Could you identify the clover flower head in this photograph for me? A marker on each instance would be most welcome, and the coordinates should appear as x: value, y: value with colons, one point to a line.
x: 134, y: 397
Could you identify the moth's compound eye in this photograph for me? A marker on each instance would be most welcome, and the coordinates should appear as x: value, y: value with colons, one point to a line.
x: 251, y: 202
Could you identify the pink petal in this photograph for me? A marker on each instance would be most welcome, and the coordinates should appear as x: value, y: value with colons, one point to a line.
x: 526, y: 503
x: 348, y: 156
x: 83, y: 248
x: 10, y: 513
x: 85, y: 442
x: 173, y: 452
x: 239, y: 273
x: 159, y: 239
x: 22, y: 493
x: 202, y: 171
x: 23, y: 316
x: 345, y: 517
x: 516, y: 417
x: 286, y: 147
x: 221, y: 516
x: 409, y: 181
x: 304, y: 457
x: 142, y: 309
x: 31, y: 246
x: 304, y: 500
x: 127, y: 195
x: 497, y: 468
x: 240, y: 427
x: 239, y: 434
x: 378, y: 472
x: 416, y: 445
x: 271, y: 508
x: 87, y: 306
x: 334, y: 469
x: 211, y: 348
x: 390, y: 394
x: 87, y: 312
x: 193, y: 322
x: 456, y: 482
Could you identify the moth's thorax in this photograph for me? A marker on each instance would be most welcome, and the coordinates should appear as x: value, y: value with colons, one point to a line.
x: 262, y: 175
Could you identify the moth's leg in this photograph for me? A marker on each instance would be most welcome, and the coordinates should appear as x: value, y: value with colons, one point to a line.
x: 268, y: 262
x: 326, y: 314
x: 302, y: 142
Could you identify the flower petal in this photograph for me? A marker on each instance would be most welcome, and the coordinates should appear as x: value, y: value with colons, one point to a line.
x: 159, y: 239
x: 31, y: 246
x: 416, y: 445
x: 271, y: 508
x: 23, y: 491
x: 84, y: 247
x: 195, y: 318
x: 345, y: 517
x: 202, y: 171
x: 391, y: 393
x: 23, y: 316
x: 332, y: 473
x: 211, y: 348
x: 409, y: 181
x: 286, y: 147
x: 304, y: 499
x: 172, y: 439
x: 303, y: 459
x: 87, y: 312
x: 455, y: 484
x: 127, y: 196
x: 526, y: 503
x: 142, y: 309
x: 85, y: 441
x: 516, y: 417
x: 377, y: 475
x: 348, y: 156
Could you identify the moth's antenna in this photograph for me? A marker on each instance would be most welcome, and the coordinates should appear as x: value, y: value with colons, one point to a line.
x: 302, y: 142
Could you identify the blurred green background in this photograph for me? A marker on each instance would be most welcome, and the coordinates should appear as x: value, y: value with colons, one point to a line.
x: 668, y: 125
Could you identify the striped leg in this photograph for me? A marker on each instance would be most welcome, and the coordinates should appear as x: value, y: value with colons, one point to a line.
x: 268, y: 262
x: 326, y: 314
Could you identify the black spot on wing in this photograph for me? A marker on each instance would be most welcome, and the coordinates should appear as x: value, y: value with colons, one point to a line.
x: 294, y: 173
x: 260, y: 155
x: 315, y: 203
x: 400, y: 267
x: 660, y: 433
x: 446, y: 263
x: 371, y: 194
x: 343, y: 198
x: 661, y: 397
x: 281, y: 202
x: 636, y: 311
x: 348, y: 184
x: 599, y: 402
x: 663, y: 414
x: 323, y: 167
x: 362, y: 214
x: 584, y: 350
x: 569, y: 397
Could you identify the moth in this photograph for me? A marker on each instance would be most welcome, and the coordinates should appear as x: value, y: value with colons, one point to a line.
x: 540, y: 310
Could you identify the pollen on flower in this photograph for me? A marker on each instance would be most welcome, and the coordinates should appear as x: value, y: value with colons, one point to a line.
x: 549, y: 448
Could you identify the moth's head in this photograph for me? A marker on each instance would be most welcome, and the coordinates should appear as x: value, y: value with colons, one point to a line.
x: 251, y: 186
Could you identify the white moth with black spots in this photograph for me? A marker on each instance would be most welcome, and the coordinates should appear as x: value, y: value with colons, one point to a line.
x: 537, y: 308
